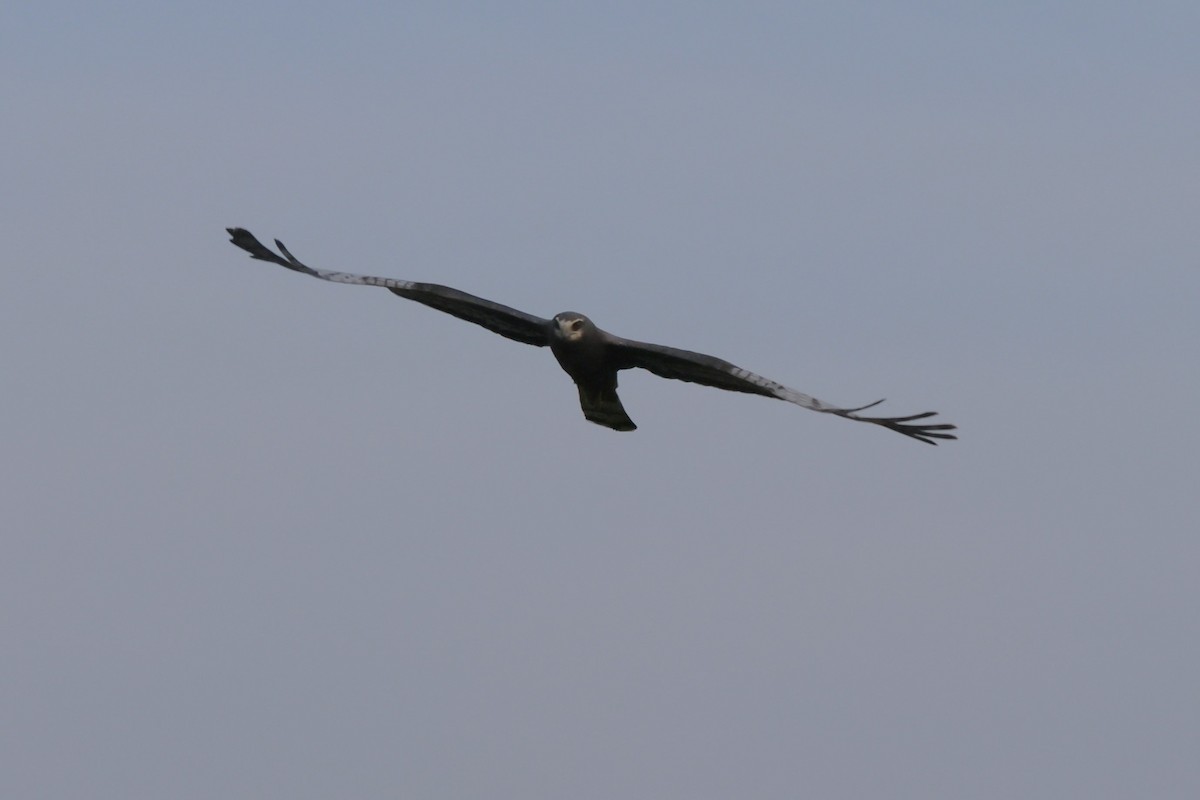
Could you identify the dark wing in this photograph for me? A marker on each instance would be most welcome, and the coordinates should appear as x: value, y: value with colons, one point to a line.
x: 684, y: 365
x: 508, y: 322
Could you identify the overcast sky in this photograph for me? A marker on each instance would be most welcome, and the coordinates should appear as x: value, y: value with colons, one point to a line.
x: 270, y: 537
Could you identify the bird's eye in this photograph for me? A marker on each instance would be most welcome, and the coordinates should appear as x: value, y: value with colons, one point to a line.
x: 577, y: 324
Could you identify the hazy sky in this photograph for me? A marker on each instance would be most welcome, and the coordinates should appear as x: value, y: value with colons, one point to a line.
x: 268, y: 537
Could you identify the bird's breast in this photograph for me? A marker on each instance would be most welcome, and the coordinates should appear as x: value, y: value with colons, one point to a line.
x: 584, y: 361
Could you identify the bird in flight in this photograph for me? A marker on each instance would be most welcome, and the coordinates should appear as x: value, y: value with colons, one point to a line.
x: 591, y: 356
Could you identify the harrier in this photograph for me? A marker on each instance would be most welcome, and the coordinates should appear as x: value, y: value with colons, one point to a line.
x: 593, y: 357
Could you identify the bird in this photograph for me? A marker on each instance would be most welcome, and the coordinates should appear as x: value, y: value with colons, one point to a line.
x: 592, y: 357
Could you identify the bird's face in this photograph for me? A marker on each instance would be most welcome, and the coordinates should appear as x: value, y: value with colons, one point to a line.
x: 570, y: 326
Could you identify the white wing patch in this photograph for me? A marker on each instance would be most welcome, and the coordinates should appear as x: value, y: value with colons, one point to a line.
x: 361, y: 280
x: 779, y: 390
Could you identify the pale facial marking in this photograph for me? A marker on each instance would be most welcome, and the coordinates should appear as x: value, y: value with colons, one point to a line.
x: 570, y: 328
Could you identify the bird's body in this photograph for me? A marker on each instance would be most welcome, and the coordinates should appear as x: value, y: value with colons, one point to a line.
x: 593, y: 357
x: 586, y: 353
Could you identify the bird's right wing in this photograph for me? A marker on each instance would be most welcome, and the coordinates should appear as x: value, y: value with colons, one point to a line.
x: 685, y: 365
x: 508, y: 322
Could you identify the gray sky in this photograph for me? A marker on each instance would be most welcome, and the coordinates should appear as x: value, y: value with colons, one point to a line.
x: 267, y: 537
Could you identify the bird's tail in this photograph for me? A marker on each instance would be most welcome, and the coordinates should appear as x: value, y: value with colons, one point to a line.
x: 604, y: 408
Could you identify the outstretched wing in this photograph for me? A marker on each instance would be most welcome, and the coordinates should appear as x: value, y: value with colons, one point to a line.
x: 684, y: 365
x: 508, y: 322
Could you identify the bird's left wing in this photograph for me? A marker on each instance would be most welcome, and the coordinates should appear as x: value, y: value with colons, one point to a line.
x: 508, y: 322
x: 684, y: 365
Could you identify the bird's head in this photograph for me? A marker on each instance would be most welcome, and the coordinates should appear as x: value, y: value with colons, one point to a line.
x: 571, y: 326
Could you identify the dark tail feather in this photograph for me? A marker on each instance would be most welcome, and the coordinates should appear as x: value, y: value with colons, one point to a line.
x: 604, y: 408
